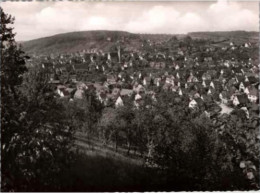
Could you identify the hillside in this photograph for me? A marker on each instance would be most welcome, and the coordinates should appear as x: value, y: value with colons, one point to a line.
x: 235, y: 36
x: 105, y: 40
x: 78, y: 41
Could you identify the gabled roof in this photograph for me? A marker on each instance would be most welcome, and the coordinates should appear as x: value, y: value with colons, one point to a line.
x: 240, y: 78
x: 253, y: 91
x: 246, y: 84
x: 252, y: 79
x: 242, y: 98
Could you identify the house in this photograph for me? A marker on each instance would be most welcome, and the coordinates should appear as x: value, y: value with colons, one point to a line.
x: 147, y: 81
x: 206, y: 76
x: 251, y: 79
x: 119, y: 102
x: 166, y: 86
x: 246, y: 111
x: 111, y: 80
x: 246, y: 45
x: 207, y: 99
x: 196, y: 103
x: 152, y: 64
x: 192, y: 78
x: 54, y: 82
x: 174, y: 88
x: 243, y: 86
x: 231, y: 82
x: 206, y: 114
x: 73, y: 78
x: 103, y: 98
x: 192, y: 103
x: 252, y: 93
x: 115, y: 93
x: 79, y: 94
x: 180, y: 92
x: 138, y: 100
x: 212, y: 84
x: 157, y: 81
x: 81, y: 86
x: 206, y: 83
x: 178, y: 75
x: 196, y: 95
x: 223, y: 97
x: 210, y: 92
x: 240, y: 100
x: 62, y: 91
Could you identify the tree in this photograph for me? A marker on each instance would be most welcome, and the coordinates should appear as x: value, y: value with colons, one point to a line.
x: 86, y: 111
x: 46, y: 133
x: 12, y: 69
x: 36, y: 136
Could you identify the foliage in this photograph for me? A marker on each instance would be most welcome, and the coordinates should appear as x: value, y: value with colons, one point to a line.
x: 187, y: 150
x: 36, y: 137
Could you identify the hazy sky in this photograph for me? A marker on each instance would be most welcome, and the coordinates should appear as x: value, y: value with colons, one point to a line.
x: 40, y: 19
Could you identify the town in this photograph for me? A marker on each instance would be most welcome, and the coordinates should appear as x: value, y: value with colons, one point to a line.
x: 209, y: 83
x: 129, y: 96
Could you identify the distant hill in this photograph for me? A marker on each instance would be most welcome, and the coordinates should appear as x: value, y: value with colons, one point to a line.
x: 78, y: 41
x: 235, y: 36
x: 105, y: 40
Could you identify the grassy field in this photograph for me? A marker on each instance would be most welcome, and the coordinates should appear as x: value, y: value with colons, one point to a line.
x: 99, y: 174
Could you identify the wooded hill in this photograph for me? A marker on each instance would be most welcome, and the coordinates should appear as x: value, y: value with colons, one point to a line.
x: 105, y: 40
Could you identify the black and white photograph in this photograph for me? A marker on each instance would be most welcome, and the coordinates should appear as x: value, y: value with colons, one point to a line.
x: 129, y: 96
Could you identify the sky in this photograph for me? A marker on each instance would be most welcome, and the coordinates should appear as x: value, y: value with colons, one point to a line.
x: 40, y: 19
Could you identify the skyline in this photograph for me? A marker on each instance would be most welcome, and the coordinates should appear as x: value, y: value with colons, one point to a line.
x: 40, y: 19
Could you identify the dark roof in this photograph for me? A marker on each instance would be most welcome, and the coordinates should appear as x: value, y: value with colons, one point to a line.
x: 240, y: 78
x: 252, y: 79
x: 242, y: 98
x: 199, y: 102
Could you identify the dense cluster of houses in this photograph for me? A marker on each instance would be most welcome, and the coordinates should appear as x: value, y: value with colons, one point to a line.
x: 120, y: 76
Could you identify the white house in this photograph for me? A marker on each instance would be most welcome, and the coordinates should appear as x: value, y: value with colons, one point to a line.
x: 79, y: 94
x: 180, y: 92
x: 236, y: 101
x: 241, y: 87
x: 61, y: 90
x: 252, y: 94
x: 212, y: 84
x: 192, y: 103
x: 138, y: 98
x: 223, y: 97
x: 204, y: 84
x: 119, y: 102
